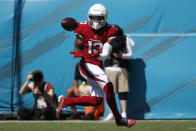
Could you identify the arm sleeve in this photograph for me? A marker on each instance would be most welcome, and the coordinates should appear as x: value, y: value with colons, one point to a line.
x: 106, y: 51
x: 129, y: 44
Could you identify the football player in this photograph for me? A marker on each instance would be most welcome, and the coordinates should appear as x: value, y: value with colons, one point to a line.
x: 92, y: 43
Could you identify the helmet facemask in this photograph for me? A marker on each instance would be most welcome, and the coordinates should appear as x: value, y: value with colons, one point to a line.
x: 96, y: 22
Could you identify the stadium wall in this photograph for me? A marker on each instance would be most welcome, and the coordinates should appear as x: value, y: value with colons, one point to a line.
x: 162, y: 77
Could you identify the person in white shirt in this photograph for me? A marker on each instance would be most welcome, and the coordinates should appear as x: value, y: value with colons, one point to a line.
x: 117, y: 67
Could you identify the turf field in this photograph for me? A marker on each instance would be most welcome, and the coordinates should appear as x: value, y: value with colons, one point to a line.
x: 141, y: 125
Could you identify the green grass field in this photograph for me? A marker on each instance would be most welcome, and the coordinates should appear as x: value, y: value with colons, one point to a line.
x: 141, y: 125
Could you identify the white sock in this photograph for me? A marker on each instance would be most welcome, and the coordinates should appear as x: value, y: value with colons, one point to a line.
x: 124, y: 115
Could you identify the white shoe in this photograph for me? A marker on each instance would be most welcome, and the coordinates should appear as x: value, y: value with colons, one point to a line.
x: 109, y: 117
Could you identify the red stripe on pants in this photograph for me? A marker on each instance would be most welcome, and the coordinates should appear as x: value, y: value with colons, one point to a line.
x: 110, y: 98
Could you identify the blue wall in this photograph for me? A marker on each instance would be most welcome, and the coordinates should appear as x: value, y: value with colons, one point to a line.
x: 163, y: 75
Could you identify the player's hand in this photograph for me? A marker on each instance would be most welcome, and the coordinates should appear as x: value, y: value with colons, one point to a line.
x: 95, y: 54
x: 77, y: 54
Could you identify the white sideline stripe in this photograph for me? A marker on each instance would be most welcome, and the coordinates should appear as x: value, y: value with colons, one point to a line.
x: 163, y: 34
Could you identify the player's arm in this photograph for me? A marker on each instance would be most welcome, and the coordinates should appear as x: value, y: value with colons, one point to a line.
x: 23, y: 89
x: 78, y: 47
x: 78, y: 43
x: 106, y: 51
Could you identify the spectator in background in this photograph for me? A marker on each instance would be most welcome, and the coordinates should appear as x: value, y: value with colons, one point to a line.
x: 45, y: 99
x: 91, y: 112
x: 117, y: 67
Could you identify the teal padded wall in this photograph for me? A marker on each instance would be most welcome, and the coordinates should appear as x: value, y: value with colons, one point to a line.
x: 162, y: 77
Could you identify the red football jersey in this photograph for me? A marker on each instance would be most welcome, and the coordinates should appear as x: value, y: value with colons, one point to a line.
x: 94, y: 40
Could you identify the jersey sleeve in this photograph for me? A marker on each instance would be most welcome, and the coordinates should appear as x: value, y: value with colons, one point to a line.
x: 112, y: 32
x: 78, y: 30
x: 81, y: 27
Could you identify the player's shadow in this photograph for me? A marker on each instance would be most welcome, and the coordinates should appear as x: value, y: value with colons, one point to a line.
x: 137, y: 106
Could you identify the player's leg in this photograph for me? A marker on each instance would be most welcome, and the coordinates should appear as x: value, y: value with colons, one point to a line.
x: 98, y: 79
x: 82, y: 101
x: 113, y: 77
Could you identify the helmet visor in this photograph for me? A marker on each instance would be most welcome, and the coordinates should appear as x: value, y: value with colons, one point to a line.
x: 98, y: 18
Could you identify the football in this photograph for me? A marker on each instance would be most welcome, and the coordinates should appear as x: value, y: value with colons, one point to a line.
x: 69, y: 24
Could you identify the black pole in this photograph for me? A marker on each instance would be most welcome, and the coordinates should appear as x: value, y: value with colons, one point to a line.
x: 15, y: 48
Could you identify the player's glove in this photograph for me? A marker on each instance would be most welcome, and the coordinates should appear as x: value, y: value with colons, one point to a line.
x: 77, y: 54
